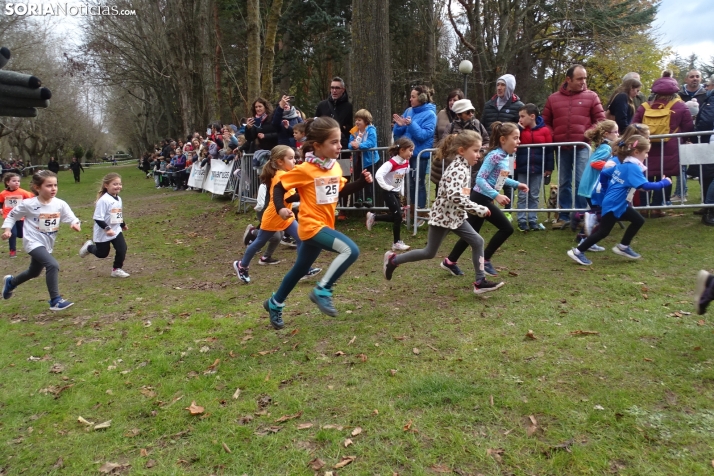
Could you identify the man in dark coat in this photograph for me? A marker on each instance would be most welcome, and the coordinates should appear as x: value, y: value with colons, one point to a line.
x: 504, y: 105
x: 338, y: 106
x: 53, y: 165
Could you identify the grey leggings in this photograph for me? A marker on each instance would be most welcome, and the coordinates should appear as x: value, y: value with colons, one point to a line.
x: 436, y: 237
x: 41, y: 259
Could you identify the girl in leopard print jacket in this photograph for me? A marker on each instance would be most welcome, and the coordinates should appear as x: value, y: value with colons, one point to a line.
x: 450, y: 210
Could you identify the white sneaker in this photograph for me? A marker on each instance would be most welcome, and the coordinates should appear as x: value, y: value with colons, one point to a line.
x: 84, y: 250
x: 119, y: 273
x: 400, y: 246
x: 370, y: 220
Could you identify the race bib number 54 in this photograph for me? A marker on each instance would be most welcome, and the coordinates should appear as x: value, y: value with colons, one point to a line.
x: 49, y: 222
x: 327, y: 190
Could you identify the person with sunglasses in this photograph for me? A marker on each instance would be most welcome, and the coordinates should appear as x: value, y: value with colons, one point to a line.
x: 338, y: 106
x: 466, y: 119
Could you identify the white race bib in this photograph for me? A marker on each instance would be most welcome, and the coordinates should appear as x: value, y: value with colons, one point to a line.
x: 12, y: 202
x: 631, y: 194
x: 49, y: 222
x: 327, y: 190
x: 116, y: 216
x: 501, y: 180
x: 398, y: 179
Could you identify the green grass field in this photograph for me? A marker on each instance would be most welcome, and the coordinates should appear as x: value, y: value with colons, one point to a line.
x: 416, y: 376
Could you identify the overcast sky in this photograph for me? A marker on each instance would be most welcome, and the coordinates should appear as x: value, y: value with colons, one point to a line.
x: 687, y: 26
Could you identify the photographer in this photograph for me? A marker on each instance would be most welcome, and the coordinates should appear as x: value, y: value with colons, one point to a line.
x: 284, y: 118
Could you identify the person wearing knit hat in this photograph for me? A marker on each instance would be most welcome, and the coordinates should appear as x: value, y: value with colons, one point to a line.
x: 663, y: 157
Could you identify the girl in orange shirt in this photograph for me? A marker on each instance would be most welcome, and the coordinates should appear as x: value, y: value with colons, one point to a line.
x: 319, y: 182
x: 282, y: 160
x: 11, y: 197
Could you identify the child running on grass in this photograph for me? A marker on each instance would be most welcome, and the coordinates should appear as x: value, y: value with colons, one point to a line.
x: 450, y: 210
x: 600, y: 137
x: 622, y: 182
x: 44, y: 213
x: 11, y: 197
x: 491, y: 178
x: 320, y: 183
x: 390, y: 176
x: 108, y: 226
x: 282, y: 160
x: 704, y: 291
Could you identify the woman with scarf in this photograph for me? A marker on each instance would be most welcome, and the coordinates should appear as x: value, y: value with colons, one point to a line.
x: 285, y: 117
x: 259, y: 130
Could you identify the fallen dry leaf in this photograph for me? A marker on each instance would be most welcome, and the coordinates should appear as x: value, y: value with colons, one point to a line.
x: 416, y: 351
x: 289, y: 417
x: 408, y: 426
x: 132, y: 433
x: 531, y: 426
x: 226, y: 448
x: 332, y: 427
x: 194, y: 409
x: 348, y: 442
x: 150, y: 464
x: 236, y: 394
x: 339, y: 353
x: 356, y: 431
x: 57, y: 369
x: 362, y: 357
x: 316, y: 464
x: 530, y: 335
x: 584, y: 333
x: 108, y: 468
x: 304, y: 426
x: 143, y: 453
x: 400, y: 337
x: 103, y: 425
x: 393, y: 372
x: 84, y: 422
x: 648, y: 359
x: 496, y: 453
x: 352, y: 340
x: 344, y: 461
x: 441, y: 468
x: 59, y: 463
x: 148, y: 392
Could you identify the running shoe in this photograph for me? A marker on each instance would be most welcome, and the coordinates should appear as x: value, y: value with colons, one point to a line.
x: 627, y: 252
x: 451, y: 268
x: 579, y: 257
x: 241, y: 272
x: 483, y: 286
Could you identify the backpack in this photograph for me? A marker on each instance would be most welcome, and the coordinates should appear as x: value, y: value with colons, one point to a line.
x: 658, y: 119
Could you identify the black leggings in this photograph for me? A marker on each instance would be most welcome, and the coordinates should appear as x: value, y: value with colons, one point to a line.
x: 497, y: 219
x: 76, y: 175
x: 391, y: 199
x: 101, y: 250
x: 608, y: 221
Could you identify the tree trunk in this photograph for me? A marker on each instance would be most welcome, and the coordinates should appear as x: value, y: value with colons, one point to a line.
x: 271, y: 29
x: 253, y: 43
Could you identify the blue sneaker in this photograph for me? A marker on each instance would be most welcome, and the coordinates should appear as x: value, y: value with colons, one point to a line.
x: 59, y: 304
x: 451, y: 268
x: 627, y: 252
x: 323, y: 298
x: 536, y: 226
x: 579, y: 257
x: 276, y: 313
x: 489, y: 269
x: 7, y: 288
x: 594, y: 247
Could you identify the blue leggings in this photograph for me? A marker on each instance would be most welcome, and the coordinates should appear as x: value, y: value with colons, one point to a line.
x: 16, y: 233
x: 262, y: 239
x: 326, y: 239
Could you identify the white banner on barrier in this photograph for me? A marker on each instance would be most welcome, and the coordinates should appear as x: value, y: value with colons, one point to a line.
x: 198, y: 175
x: 695, y: 154
x: 218, y: 176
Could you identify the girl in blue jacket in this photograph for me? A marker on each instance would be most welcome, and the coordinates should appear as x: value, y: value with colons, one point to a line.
x: 622, y: 181
x: 363, y: 136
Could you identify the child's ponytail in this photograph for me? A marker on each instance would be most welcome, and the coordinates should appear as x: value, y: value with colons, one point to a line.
x: 450, y: 145
x: 498, y: 130
x: 317, y: 130
x: 400, y: 144
x: 596, y: 135
x: 626, y: 147
x: 108, y: 178
x: 271, y: 167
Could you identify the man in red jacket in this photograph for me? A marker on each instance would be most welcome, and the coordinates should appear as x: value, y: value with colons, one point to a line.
x: 568, y: 113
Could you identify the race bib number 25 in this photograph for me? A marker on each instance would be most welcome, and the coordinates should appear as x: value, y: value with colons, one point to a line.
x: 327, y: 190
